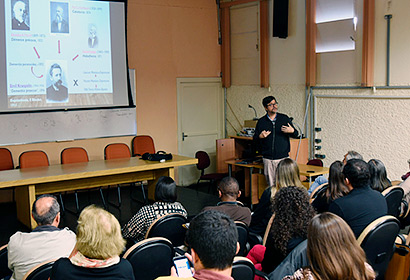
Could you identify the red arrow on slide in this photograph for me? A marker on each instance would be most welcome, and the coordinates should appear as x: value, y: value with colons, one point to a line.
x: 59, y: 46
x: 32, y: 71
x: 75, y: 57
x: 36, y: 52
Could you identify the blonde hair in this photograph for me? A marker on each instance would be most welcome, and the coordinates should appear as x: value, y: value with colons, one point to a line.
x: 287, y: 174
x: 99, y: 234
x: 333, y: 251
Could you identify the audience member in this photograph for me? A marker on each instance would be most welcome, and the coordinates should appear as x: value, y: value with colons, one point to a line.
x: 333, y: 252
x: 287, y: 174
x: 165, y: 203
x: 45, y: 242
x: 96, y: 254
x: 289, y: 228
x: 212, y: 237
x: 362, y: 205
x: 320, y: 180
x: 407, y: 175
x: 229, y: 192
x: 378, y: 175
x: 405, y: 185
x: 336, y: 188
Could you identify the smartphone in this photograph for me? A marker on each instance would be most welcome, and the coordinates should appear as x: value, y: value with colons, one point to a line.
x: 182, y: 266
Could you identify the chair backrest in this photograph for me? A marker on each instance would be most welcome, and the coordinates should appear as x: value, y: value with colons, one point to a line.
x: 243, y: 232
x: 151, y: 258
x: 30, y: 159
x: 4, y: 268
x: 40, y: 272
x: 319, y: 191
x: 142, y: 144
x: 242, y: 269
x: 267, y: 230
x: 117, y: 150
x: 6, y: 160
x: 203, y: 160
x: 315, y: 161
x: 169, y: 226
x: 394, y: 196
x: 74, y: 155
x: 377, y: 241
x: 296, y: 259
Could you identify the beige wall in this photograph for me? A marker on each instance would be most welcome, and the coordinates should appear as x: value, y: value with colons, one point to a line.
x: 377, y: 128
x: 169, y: 39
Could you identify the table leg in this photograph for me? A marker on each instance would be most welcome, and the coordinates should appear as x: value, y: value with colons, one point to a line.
x: 230, y: 170
x: 25, y: 197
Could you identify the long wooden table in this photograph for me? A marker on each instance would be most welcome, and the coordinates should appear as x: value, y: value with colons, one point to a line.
x: 250, y: 189
x: 30, y: 182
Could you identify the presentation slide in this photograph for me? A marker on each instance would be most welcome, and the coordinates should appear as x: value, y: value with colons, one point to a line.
x: 62, y: 54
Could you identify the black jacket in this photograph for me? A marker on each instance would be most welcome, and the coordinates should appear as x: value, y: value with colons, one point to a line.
x: 276, y: 145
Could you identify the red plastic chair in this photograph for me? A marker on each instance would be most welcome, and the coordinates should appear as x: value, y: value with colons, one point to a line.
x: 6, y: 160
x: 31, y: 159
x: 142, y: 144
x: 203, y: 163
x: 116, y: 151
x: 76, y: 155
x: 316, y: 162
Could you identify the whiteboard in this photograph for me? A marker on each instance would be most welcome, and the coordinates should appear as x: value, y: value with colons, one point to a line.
x: 70, y: 125
x: 28, y: 127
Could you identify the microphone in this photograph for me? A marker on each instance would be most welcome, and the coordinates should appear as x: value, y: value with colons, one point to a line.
x: 256, y: 115
x: 295, y: 123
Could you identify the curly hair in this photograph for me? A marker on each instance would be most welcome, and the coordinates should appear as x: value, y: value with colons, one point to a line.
x: 293, y: 213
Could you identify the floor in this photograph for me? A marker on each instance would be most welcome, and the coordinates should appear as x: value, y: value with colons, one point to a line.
x: 193, y: 198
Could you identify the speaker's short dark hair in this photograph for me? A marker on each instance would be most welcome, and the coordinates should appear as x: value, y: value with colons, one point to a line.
x: 357, y: 172
x: 165, y: 190
x: 267, y: 100
x: 213, y: 236
x: 48, y: 217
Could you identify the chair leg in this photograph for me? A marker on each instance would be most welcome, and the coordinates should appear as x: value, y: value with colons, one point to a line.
x: 119, y: 195
x: 144, y: 196
x: 62, y: 203
x: 119, y: 198
x: 102, y: 198
x: 77, y: 206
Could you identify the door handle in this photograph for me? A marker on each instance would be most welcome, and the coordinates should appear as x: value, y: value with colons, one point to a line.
x: 183, y: 136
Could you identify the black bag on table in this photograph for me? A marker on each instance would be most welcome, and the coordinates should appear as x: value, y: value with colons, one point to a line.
x: 158, y: 156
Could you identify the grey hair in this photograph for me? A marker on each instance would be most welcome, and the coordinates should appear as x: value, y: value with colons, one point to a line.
x: 48, y: 217
x: 353, y: 155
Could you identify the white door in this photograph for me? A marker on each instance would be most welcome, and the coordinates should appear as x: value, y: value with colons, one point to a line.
x: 200, y: 122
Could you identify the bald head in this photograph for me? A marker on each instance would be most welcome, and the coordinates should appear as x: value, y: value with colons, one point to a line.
x: 45, y: 210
